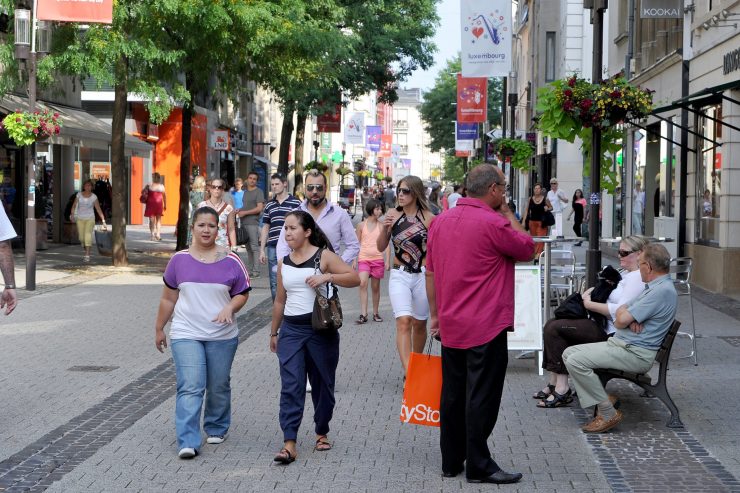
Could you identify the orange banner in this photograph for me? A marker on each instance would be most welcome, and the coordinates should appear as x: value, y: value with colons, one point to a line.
x: 99, y: 11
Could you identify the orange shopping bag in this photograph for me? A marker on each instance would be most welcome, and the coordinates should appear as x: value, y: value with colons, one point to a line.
x: 423, y: 390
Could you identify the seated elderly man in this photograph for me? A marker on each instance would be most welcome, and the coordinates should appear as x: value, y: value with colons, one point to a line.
x: 641, y: 327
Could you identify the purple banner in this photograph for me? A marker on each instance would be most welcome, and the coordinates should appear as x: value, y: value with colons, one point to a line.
x: 406, y: 163
x: 467, y: 131
x: 372, y: 133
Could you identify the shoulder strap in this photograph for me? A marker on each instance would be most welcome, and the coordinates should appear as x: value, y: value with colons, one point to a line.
x: 222, y: 208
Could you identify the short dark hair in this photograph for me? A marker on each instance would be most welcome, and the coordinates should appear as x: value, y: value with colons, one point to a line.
x: 456, y: 188
x: 371, y: 205
x: 278, y: 176
x: 253, y: 173
x: 314, y: 173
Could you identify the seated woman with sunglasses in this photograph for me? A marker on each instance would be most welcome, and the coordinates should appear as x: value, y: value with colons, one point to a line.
x: 407, y: 226
x: 561, y: 334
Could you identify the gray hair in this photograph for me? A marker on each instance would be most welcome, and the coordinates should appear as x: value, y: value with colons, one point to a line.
x: 481, y: 178
x: 657, y: 257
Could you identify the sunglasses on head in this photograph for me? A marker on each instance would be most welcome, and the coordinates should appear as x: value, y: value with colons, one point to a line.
x: 624, y: 253
x: 404, y: 191
x: 318, y: 188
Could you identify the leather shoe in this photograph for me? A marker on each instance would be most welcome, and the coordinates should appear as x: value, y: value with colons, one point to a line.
x: 499, y: 477
x: 600, y: 425
x: 452, y: 474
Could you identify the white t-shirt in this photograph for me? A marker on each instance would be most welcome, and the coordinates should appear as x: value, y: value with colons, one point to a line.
x: 452, y: 199
x: 6, y: 229
x: 557, y: 200
x: 86, y: 206
x: 627, y: 290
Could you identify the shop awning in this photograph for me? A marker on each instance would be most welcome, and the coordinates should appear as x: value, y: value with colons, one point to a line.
x: 79, y: 127
x: 266, y: 161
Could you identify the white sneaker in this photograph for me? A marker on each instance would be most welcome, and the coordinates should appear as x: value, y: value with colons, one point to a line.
x: 215, y: 439
x: 187, y: 453
x: 308, y: 386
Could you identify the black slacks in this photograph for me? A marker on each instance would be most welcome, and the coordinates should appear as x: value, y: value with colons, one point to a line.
x: 472, y: 383
x: 560, y: 334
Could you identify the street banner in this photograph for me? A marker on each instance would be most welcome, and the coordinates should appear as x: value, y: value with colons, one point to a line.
x: 372, y: 135
x: 486, y: 38
x: 472, y: 99
x: 467, y: 131
x: 220, y: 140
x: 395, y: 153
x: 406, y: 162
x: 331, y: 122
x: 87, y: 11
x: 354, y: 129
x: 463, y: 147
x: 386, y: 141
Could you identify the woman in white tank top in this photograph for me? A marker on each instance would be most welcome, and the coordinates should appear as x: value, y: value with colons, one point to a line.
x: 302, y: 351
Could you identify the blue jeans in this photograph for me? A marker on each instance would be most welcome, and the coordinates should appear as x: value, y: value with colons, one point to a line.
x: 272, y: 267
x: 202, y: 367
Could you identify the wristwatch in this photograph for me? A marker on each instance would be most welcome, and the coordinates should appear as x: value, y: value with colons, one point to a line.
x: 10, y: 286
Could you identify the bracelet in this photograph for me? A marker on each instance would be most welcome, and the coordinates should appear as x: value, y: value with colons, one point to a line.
x: 274, y: 335
x: 10, y: 286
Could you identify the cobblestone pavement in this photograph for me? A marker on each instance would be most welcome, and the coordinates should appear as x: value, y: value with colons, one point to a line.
x: 113, y: 430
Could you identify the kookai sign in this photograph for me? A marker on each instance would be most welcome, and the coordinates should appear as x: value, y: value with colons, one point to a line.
x: 661, y: 9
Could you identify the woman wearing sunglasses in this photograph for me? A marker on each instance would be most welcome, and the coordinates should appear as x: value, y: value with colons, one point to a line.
x: 407, y: 226
x: 563, y: 333
x: 216, y: 202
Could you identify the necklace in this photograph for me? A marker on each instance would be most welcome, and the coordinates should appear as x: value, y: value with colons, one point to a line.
x: 215, y: 206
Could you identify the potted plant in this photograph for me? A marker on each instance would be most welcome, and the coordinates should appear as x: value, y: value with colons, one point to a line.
x: 518, y: 150
x: 379, y: 176
x: 342, y: 170
x: 322, y: 167
x: 388, y: 179
x: 25, y: 127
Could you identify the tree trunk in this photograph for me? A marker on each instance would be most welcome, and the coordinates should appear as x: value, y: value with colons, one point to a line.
x: 286, y: 133
x: 119, y: 194
x: 300, y: 136
x: 183, y: 215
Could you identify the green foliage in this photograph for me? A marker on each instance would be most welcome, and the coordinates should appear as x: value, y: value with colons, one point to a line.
x: 518, y: 150
x: 25, y: 127
x: 454, y: 169
x: 318, y: 165
x: 438, y: 111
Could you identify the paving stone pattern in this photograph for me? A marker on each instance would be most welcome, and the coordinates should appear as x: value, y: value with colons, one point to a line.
x: 58, y: 452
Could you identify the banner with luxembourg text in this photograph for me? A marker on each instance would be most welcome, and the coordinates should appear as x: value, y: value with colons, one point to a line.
x: 486, y: 37
x: 88, y: 11
x: 472, y: 99
x: 463, y: 147
x: 372, y: 136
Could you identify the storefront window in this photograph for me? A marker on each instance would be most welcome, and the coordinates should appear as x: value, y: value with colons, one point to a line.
x: 709, y: 176
x: 638, y: 181
x: 667, y: 176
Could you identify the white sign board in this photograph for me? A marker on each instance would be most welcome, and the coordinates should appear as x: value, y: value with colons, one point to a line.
x: 527, y: 333
x: 486, y: 37
x: 220, y: 140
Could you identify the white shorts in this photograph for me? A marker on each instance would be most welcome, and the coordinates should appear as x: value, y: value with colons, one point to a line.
x: 408, y: 294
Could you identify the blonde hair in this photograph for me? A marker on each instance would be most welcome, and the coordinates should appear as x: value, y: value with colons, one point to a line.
x: 199, y: 184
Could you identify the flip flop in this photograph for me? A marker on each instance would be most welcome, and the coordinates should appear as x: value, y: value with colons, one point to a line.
x: 284, y: 457
x: 322, y: 444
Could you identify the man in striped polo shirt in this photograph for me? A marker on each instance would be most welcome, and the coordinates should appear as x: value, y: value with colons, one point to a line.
x: 272, y: 222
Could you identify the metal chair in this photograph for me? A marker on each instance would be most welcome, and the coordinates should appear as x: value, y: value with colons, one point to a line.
x: 680, y: 272
x: 562, y: 274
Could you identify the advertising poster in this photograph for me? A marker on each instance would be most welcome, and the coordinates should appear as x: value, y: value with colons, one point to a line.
x: 354, y: 129
x: 472, y: 99
x: 386, y: 141
x: 373, y: 133
x: 87, y: 11
x: 486, y: 38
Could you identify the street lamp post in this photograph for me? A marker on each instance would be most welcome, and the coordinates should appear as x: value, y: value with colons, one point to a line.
x: 513, y: 100
x: 316, y: 150
x: 26, y: 28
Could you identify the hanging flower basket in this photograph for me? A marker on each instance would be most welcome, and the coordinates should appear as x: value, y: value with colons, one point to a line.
x: 571, y: 107
x: 343, y: 171
x: 316, y: 165
x: 518, y: 150
x: 388, y: 179
x: 362, y: 173
x: 379, y: 176
x: 25, y: 127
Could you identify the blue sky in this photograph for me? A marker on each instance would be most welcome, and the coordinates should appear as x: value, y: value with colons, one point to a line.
x: 447, y: 40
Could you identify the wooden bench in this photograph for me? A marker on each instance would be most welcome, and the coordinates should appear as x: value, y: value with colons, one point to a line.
x: 657, y: 389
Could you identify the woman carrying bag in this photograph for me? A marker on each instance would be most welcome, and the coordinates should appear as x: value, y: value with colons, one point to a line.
x: 533, y: 217
x: 303, y: 351
x: 83, y: 214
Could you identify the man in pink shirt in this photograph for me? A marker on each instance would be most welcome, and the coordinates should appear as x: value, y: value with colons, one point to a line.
x: 471, y: 252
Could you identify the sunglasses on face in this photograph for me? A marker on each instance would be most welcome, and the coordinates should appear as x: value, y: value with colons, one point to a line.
x: 404, y: 191
x: 217, y: 187
x: 625, y: 253
x: 317, y: 188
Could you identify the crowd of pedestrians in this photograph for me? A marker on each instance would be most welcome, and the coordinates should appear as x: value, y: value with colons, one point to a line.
x: 451, y: 255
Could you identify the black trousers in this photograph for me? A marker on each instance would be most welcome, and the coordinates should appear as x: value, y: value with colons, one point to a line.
x: 472, y: 383
x: 558, y: 335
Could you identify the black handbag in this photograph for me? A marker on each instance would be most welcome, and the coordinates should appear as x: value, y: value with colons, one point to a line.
x: 242, y: 235
x: 548, y: 219
x: 327, y: 310
x: 571, y: 308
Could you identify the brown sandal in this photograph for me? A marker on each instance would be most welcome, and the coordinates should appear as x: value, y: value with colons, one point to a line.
x: 322, y: 444
x: 284, y: 457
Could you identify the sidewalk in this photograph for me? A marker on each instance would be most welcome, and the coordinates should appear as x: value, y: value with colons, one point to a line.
x: 110, y: 426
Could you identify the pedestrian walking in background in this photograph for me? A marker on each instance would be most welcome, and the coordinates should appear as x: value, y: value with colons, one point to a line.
x: 581, y: 214
x: 638, y: 209
x: 371, y: 262
x: 9, y: 298
x: 558, y: 200
x: 248, y: 217
x: 301, y: 350
x: 273, y: 219
x: 537, y: 205
x: 216, y: 202
x: 470, y: 264
x: 156, y: 204
x: 445, y: 198
x: 237, y: 194
x: 205, y: 286
x: 197, y: 195
x: 434, y: 204
x: 83, y: 214
x: 456, y: 194
x: 406, y: 226
x: 563, y: 333
x: 389, y: 196
x: 332, y: 219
